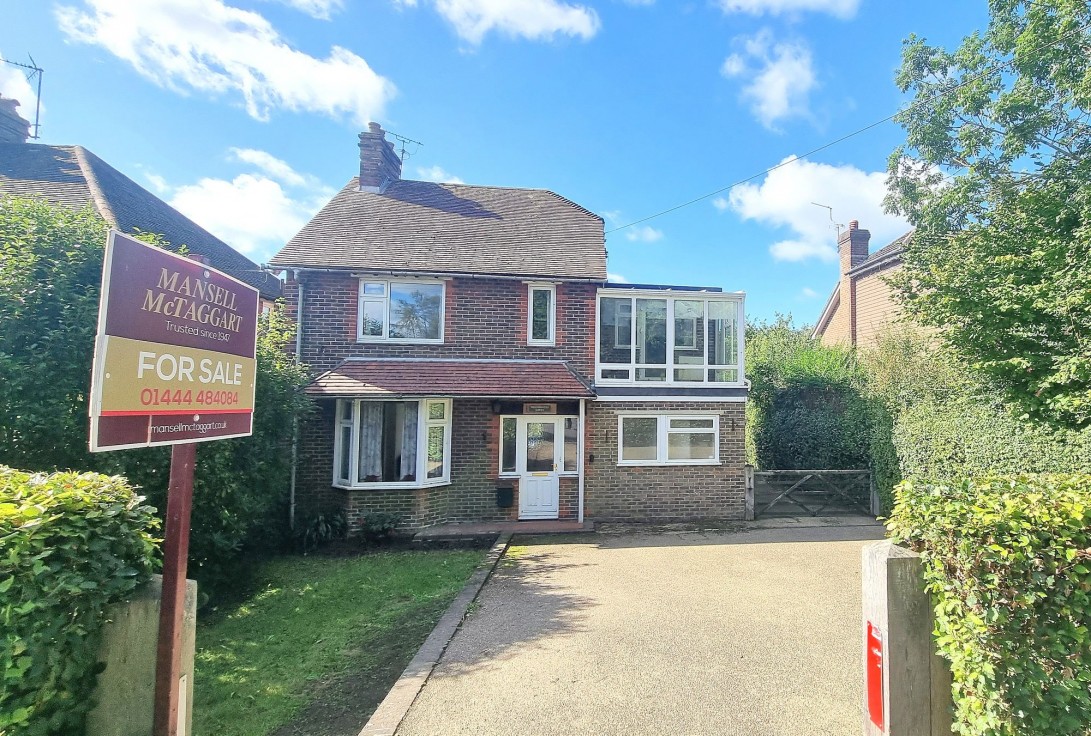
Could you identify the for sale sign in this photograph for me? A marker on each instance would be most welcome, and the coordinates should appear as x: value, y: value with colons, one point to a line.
x: 175, y: 350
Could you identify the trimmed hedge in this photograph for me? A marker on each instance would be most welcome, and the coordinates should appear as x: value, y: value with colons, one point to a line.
x: 1007, y: 561
x: 72, y: 544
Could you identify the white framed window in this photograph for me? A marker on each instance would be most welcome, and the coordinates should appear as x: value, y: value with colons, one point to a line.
x: 667, y: 337
x: 408, y: 311
x: 532, y: 443
x: 392, y: 444
x: 541, y: 314
x: 668, y: 439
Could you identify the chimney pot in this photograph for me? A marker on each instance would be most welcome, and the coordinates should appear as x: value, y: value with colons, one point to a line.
x: 854, y: 224
x: 374, y: 127
x: 13, y: 127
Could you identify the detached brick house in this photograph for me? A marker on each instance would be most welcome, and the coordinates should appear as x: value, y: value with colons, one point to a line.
x: 862, y: 305
x: 473, y: 363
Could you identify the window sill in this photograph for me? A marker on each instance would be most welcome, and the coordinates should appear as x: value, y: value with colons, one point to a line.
x: 542, y: 343
x: 666, y: 463
x: 396, y: 341
x: 392, y: 486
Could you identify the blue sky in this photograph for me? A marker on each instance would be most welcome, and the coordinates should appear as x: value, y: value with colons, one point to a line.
x: 244, y: 113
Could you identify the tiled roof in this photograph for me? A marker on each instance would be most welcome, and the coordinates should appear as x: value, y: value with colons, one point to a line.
x: 888, y: 251
x: 421, y: 377
x: 72, y: 176
x: 451, y: 228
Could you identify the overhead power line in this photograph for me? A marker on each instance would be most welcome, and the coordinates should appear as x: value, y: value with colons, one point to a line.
x: 842, y: 139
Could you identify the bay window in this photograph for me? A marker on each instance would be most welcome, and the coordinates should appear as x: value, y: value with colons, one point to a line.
x: 668, y: 440
x: 674, y: 339
x: 392, y: 444
x: 400, y: 311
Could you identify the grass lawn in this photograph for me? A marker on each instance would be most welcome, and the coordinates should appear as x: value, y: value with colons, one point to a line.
x: 316, y: 647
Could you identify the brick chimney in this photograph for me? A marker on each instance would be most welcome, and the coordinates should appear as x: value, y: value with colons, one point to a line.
x: 13, y: 127
x: 852, y: 245
x: 379, y: 164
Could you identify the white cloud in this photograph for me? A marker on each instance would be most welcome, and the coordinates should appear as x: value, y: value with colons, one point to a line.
x: 616, y: 278
x: 721, y: 204
x: 839, y: 8
x: 612, y: 216
x: 211, y: 47
x: 643, y: 234
x: 320, y: 9
x: 779, y: 74
x: 807, y: 293
x: 437, y: 174
x: 532, y: 19
x: 257, y: 211
x: 784, y: 200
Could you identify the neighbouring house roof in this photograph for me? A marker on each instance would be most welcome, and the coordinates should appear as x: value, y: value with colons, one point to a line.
x: 418, y: 226
x: 393, y: 377
x: 886, y: 255
x: 72, y: 176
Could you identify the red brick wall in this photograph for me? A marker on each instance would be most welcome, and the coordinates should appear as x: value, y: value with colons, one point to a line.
x: 483, y: 318
x: 668, y: 492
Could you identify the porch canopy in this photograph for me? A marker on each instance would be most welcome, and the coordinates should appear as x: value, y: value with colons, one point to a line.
x: 450, y: 377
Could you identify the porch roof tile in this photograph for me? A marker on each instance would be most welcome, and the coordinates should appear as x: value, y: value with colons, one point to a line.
x: 451, y: 377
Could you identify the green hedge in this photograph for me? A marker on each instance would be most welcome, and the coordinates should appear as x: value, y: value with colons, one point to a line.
x: 1008, y: 564
x: 72, y: 544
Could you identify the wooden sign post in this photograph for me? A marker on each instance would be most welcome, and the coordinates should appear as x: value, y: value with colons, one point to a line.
x: 174, y: 365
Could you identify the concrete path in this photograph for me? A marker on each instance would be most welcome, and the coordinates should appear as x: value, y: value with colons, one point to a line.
x: 749, y: 633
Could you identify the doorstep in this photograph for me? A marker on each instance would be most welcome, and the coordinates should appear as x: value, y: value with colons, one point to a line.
x: 460, y: 531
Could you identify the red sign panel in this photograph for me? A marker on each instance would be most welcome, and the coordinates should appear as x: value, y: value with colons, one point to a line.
x: 874, y: 673
x: 175, y: 350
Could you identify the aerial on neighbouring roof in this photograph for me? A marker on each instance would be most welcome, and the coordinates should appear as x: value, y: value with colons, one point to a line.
x: 72, y: 176
x: 418, y: 226
x: 450, y: 377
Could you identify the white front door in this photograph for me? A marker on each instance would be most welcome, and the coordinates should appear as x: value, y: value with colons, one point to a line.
x: 540, y: 444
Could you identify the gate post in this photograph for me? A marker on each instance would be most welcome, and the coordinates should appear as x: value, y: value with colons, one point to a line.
x: 907, y: 688
x: 749, y: 472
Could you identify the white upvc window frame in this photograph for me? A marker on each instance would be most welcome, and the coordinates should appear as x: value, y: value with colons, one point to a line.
x: 521, y: 443
x: 670, y: 296
x: 662, y: 433
x: 362, y: 298
x: 552, y: 289
x: 423, y: 423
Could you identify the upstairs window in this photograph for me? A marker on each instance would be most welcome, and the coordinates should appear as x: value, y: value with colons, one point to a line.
x: 401, y: 311
x: 541, y: 314
x: 669, y: 339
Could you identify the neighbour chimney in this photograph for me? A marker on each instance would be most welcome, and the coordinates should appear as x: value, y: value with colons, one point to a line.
x: 379, y: 164
x: 13, y: 128
x: 852, y: 245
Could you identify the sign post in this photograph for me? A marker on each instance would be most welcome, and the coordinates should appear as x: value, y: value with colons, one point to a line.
x: 174, y: 365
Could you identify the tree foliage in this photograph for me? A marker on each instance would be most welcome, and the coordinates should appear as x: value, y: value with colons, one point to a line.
x: 996, y: 177
x: 50, y: 274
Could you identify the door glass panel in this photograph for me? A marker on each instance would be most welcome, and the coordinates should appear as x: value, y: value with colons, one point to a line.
x: 541, y: 446
x: 639, y: 438
x: 436, y: 410
x: 508, y: 445
x: 571, y: 443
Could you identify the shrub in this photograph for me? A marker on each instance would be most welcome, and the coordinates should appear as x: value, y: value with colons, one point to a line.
x: 379, y: 527
x: 1007, y: 561
x: 806, y: 409
x: 73, y: 544
x: 320, y: 529
x: 50, y: 270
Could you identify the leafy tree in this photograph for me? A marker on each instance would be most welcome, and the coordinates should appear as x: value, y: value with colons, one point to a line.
x: 50, y: 273
x: 996, y: 177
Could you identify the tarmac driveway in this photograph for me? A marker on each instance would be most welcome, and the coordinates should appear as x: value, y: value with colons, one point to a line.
x: 753, y: 633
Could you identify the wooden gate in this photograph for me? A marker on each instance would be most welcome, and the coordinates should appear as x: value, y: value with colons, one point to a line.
x: 811, y: 493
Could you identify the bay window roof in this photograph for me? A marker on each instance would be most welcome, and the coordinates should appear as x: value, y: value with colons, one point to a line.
x: 452, y: 377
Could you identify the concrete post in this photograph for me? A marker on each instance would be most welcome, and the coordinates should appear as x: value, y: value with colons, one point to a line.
x: 749, y: 513
x: 897, y: 631
x: 125, y: 692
